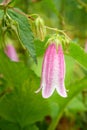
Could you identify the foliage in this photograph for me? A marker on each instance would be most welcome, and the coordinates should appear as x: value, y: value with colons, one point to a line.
x: 17, y: 103
x: 20, y: 107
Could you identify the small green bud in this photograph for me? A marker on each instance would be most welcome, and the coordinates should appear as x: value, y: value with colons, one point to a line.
x: 40, y: 28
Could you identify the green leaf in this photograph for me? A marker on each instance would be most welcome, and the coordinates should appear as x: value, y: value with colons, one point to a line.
x: 69, y: 69
x: 76, y: 105
x: 24, y: 32
x: 61, y: 103
x: 20, y: 104
x: 31, y: 127
x: 78, y: 54
x: 5, y: 125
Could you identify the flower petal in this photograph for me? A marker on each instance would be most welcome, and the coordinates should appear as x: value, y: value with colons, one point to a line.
x: 47, y: 72
x: 11, y: 52
x: 60, y: 65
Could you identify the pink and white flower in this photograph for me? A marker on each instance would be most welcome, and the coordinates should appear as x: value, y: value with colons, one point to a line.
x: 11, y: 52
x: 53, y: 72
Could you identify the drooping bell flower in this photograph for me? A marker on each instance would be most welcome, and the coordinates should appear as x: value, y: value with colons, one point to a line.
x: 53, y: 72
x: 11, y: 52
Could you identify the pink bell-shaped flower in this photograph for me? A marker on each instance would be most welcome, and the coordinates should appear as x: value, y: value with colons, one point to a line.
x: 11, y: 52
x: 53, y: 72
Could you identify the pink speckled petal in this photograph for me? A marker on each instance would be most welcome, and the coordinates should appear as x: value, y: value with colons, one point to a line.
x: 60, y: 64
x: 11, y: 52
x: 47, y: 72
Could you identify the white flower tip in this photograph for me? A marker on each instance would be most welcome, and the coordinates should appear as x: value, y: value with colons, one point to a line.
x: 45, y: 95
x: 63, y: 94
x: 62, y: 91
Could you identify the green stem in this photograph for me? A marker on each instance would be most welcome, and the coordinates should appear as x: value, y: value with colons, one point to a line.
x: 59, y: 31
x: 22, y: 13
x: 5, y: 2
x: 83, y: 4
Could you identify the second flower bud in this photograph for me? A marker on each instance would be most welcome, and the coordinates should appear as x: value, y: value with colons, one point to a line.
x: 40, y: 28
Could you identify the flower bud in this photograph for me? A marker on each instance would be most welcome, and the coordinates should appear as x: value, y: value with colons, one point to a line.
x: 11, y: 52
x: 40, y: 29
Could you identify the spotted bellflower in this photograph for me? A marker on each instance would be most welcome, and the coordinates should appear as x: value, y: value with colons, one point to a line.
x: 53, y: 72
x: 11, y: 52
